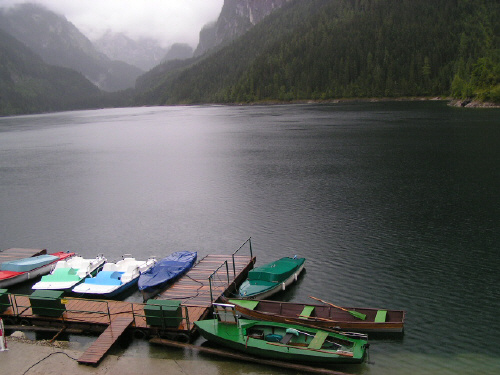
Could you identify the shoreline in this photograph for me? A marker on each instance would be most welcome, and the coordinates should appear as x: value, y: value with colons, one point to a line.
x: 459, y: 103
x: 40, y: 357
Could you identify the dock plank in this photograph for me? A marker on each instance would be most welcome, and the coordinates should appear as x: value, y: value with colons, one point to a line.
x: 99, y: 348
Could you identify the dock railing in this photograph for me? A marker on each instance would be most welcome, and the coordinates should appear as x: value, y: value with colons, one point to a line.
x: 212, y: 277
x: 102, y: 311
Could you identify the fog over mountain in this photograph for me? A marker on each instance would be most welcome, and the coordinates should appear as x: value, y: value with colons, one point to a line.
x: 167, y: 21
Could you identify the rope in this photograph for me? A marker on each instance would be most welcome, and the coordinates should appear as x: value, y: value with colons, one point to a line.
x: 44, y: 358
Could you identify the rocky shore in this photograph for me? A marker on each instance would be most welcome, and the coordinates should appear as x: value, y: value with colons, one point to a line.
x: 473, y: 104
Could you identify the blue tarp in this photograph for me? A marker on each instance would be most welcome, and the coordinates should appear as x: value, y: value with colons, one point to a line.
x: 167, y: 269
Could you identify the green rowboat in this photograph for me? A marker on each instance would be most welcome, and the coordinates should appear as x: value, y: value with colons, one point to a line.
x: 280, y: 341
x: 271, y: 278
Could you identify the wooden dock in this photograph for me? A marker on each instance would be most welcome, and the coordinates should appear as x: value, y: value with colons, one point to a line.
x: 99, y: 348
x: 16, y: 254
x: 204, y: 283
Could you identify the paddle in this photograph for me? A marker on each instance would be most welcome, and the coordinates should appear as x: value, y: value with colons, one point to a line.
x: 353, y: 313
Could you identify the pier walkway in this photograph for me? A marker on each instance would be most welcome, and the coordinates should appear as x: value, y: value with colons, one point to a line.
x: 204, y: 283
x: 213, y: 276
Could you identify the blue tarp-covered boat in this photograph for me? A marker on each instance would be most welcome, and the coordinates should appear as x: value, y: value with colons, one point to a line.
x: 166, y: 270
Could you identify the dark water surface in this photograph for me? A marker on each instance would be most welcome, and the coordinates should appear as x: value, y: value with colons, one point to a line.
x: 394, y: 205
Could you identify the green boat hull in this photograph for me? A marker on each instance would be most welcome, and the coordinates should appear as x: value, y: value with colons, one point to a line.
x: 269, y: 279
x: 266, y: 339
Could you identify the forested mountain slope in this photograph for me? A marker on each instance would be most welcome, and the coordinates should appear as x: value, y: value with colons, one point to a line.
x: 327, y: 49
x: 58, y: 42
x: 28, y: 85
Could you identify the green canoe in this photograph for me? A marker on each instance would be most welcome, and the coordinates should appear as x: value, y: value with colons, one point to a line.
x: 285, y: 342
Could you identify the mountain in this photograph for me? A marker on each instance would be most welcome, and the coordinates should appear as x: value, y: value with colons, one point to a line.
x: 29, y: 85
x: 144, y: 53
x: 236, y: 18
x: 329, y: 49
x: 178, y: 51
x: 60, y: 43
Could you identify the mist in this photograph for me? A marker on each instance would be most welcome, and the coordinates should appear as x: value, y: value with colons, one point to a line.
x: 167, y: 21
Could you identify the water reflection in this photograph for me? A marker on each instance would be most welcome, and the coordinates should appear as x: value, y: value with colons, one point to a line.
x: 394, y: 205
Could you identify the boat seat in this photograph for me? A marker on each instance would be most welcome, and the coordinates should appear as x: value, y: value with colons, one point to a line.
x: 226, y: 314
x: 318, y: 340
x: 246, y: 303
x: 286, y: 339
x: 381, y: 316
x: 109, y: 267
x: 62, y: 264
x: 131, y: 269
x: 306, y: 312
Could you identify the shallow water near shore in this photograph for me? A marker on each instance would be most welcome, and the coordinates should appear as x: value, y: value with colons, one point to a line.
x: 394, y: 205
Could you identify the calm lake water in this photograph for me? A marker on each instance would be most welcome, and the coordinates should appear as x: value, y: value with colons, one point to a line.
x: 394, y: 205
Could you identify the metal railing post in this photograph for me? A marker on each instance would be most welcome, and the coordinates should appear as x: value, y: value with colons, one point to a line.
x: 109, y: 313
x: 133, y: 313
x: 227, y: 272
x: 188, y: 325
x: 210, y: 284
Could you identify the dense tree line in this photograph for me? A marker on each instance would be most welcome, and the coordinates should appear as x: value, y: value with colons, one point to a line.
x: 327, y: 49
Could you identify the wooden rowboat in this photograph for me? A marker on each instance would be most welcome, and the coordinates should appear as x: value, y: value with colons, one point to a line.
x: 282, y: 341
x: 322, y: 316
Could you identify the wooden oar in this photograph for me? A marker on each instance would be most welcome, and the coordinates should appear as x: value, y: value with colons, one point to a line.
x: 353, y: 313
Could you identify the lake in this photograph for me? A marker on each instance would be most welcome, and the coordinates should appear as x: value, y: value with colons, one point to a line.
x: 394, y: 204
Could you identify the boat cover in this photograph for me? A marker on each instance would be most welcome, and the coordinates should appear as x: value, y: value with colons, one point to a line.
x: 167, y: 269
x: 28, y: 264
x: 277, y: 271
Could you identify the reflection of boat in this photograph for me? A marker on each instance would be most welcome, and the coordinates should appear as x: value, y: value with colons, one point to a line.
x: 165, y: 271
x: 115, y: 278
x: 282, y: 341
x: 321, y: 316
x: 266, y: 280
x: 70, y: 272
x: 16, y: 271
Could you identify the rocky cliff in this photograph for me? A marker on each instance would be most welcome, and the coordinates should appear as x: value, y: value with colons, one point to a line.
x: 143, y: 53
x: 236, y: 17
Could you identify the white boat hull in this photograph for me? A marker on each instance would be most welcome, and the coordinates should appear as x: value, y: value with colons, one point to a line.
x: 53, y: 285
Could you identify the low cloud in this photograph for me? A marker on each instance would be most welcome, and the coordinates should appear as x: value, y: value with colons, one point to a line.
x: 168, y: 21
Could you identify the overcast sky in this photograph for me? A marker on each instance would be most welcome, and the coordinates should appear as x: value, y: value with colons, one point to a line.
x: 169, y: 21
